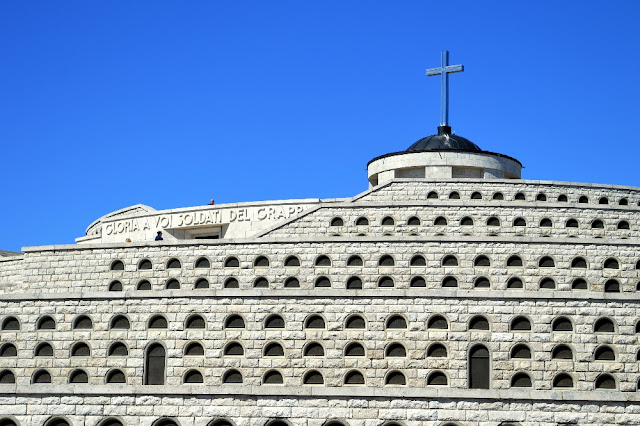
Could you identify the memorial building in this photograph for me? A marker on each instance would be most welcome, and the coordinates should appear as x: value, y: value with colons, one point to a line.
x: 450, y: 293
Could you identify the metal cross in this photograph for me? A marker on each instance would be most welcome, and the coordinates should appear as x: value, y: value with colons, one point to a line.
x: 444, y: 71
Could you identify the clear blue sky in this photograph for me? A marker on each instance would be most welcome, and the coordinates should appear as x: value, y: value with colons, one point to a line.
x: 108, y: 104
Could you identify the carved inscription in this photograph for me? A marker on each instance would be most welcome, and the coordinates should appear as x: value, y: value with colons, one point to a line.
x: 203, y: 218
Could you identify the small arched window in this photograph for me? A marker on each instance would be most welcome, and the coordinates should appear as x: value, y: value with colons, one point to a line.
x: 579, y: 262
x: 313, y: 349
x: 493, y: 221
x: 201, y: 283
x: 482, y: 282
x: 418, y: 260
x: 6, y: 377
x: 41, y: 376
x: 388, y: 221
x: 232, y: 376
x: 562, y: 198
x: 579, y: 284
x: 603, y: 200
x: 623, y: 225
x: 274, y: 321
x: 116, y: 376
x: 261, y: 282
x: 385, y: 281
x: 571, y: 223
x: 562, y: 324
x: 117, y: 265
x: 466, y: 221
x: 437, y: 378
x: 611, y: 263
x: 114, y: 286
x: 261, y: 262
x: 418, y: 282
x: 231, y: 282
x: 323, y: 260
x: 172, y: 284
x: 145, y: 264
x: 479, y: 368
x: 563, y: 380
x: 437, y: 350
x: 354, y: 283
x: 519, y: 222
x: 449, y: 281
x: 362, y: 221
x: 144, y: 285
x: 413, y: 221
x: 119, y: 322
x: 78, y: 376
x: 192, y: 377
x: 203, y: 262
x: 395, y: 378
x: 354, y: 377
x: 476, y: 196
x: 46, y: 323
x: 547, y: 283
x: 521, y: 380
x: 562, y: 352
x: 354, y: 260
x: 194, y: 349
x: 272, y: 377
x: 546, y: 223
x: 432, y: 194
x: 233, y: 349
x: 118, y: 349
x: 80, y: 349
x: 605, y: 381
x: 623, y: 202
x: 482, y: 261
x: 454, y: 195
x: 514, y: 261
x: 479, y: 322
x: 514, y: 282
x: 440, y: 221
x: 604, y: 353
x: 396, y: 322
x: 158, y: 321
x: 546, y: 262
x: 313, y: 377
x: 337, y: 221
x: 597, y: 224
x: 519, y: 196
x: 604, y: 325
x: 355, y: 322
x: 437, y: 322
x: 449, y: 260
x: 293, y: 282
x: 174, y: 264
x: 315, y: 322
x: 292, y: 261
x: 498, y: 196
x: 541, y: 197
x: 8, y: 350
x: 10, y: 324
x: 612, y: 286
x: 273, y: 349
x: 234, y: 321
x: 521, y: 351
x: 231, y: 262
x: 322, y: 282
x: 395, y: 350
x: 583, y: 199
x: 520, y: 324
x: 386, y: 260
x: 82, y: 322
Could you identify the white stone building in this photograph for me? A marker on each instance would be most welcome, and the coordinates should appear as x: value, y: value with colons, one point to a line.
x: 450, y: 293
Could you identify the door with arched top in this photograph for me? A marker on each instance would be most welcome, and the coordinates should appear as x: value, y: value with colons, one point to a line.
x: 155, y: 365
x: 479, y: 368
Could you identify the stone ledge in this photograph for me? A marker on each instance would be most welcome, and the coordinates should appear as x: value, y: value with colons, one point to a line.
x: 602, y: 396
x: 329, y: 293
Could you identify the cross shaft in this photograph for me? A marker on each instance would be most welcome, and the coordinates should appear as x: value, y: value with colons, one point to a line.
x: 444, y: 72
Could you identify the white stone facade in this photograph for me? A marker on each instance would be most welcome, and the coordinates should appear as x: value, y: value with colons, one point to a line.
x: 399, y: 284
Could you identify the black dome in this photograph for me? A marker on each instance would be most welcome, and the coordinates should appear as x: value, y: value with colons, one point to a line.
x: 444, y: 140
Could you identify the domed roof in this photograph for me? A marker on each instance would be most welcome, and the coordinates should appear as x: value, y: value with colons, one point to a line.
x: 444, y: 140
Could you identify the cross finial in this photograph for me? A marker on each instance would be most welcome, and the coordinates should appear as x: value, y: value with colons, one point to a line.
x: 444, y: 71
